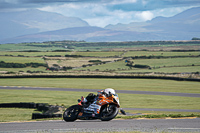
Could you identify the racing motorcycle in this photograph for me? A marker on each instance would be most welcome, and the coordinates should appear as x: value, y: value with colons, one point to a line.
x: 105, y: 107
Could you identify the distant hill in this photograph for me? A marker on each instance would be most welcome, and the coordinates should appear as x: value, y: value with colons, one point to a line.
x: 14, y: 24
x: 183, y: 26
x: 92, y: 34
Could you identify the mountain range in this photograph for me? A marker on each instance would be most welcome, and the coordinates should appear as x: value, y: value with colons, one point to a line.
x: 39, y: 26
x: 31, y: 21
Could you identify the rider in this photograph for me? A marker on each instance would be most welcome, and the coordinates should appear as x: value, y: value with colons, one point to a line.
x: 91, y: 97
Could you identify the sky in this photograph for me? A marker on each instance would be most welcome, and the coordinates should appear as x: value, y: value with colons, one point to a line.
x: 104, y: 12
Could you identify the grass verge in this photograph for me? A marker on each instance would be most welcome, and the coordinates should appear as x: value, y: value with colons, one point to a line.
x: 126, y: 100
x: 99, y: 83
x: 69, y: 98
x: 15, y: 114
x: 158, y: 116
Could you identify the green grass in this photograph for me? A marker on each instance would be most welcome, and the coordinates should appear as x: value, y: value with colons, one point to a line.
x: 99, y: 54
x: 24, y: 69
x: 158, y: 101
x: 125, y: 47
x: 98, y: 83
x: 168, y: 62
x: 15, y: 114
x: 51, y: 97
x: 169, y: 65
x: 75, y: 62
x: 158, y: 116
x: 21, y: 59
x: 126, y: 100
x: 159, y: 53
x: 25, y: 47
x: 187, y: 69
x: 69, y: 98
x: 114, y: 66
x: 160, y: 112
x: 3, y: 53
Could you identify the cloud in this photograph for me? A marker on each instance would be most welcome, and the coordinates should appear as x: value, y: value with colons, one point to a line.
x: 6, y: 5
x: 144, y: 15
x: 126, y: 5
x: 145, y: 5
x: 94, y: 14
x: 104, y: 12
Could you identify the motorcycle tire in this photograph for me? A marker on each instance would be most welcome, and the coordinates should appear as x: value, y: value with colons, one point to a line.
x: 71, y: 113
x: 110, y: 113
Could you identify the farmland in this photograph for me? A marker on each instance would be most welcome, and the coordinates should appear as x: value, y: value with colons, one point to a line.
x: 125, y: 61
x: 141, y: 59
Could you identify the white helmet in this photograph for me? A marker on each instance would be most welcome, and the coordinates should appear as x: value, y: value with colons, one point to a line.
x: 109, y: 90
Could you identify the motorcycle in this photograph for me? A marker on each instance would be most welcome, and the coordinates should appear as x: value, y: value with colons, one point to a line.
x: 104, y: 108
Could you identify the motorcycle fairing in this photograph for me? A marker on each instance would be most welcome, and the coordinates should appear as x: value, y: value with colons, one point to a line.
x: 95, y: 107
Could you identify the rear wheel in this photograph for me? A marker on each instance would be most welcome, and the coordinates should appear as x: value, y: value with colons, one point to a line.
x: 71, y: 113
x: 109, y: 112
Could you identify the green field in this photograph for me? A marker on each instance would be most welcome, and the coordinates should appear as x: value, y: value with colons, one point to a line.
x: 179, y: 65
x: 76, y: 62
x: 158, y: 65
x: 159, y: 53
x: 110, y: 56
x: 28, y: 46
x: 99, y: 46
x: 98, y: 83
x: 180, y: 70
x: 13, y: 114
x: 21, y: 59
x: 103, y: 53
x: 159, y: 61
x: 23, y: 69
x: 127, y: 100
x: 168, y: 62
x: 100, y: 53
x: 68, y: 98
x: 39, y: 54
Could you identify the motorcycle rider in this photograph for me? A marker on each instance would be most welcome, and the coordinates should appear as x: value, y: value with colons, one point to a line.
x: 105, y: 106
x: 92, y: 97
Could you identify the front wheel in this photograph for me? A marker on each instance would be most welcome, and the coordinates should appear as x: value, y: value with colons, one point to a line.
x: 71, y: 113
x: 109, y: 112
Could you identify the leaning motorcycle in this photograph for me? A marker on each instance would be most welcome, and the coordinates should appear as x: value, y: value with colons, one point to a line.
x: 104, y: 108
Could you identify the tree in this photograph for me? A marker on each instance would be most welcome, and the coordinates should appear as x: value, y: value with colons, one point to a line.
x: 195, y: 38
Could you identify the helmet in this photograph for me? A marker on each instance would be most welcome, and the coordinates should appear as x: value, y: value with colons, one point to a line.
x: 109, y: 90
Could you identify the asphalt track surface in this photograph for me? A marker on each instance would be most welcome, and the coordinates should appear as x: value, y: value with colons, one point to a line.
x: 117, y: 91
x: 95, y: 90
x: 143, y: 125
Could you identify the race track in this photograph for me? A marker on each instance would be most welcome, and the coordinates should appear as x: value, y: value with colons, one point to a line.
x: 117, y: 91
x: 144, y: 125
x: 95, y: 90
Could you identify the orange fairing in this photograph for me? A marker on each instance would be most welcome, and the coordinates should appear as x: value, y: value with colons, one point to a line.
x: 102, y: 100
x: 80, y: 103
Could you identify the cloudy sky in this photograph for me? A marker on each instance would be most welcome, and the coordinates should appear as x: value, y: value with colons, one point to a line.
x: 104, y: 12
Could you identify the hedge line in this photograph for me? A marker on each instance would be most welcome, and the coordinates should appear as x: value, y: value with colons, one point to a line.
x: 48, y: 110
x: 20, y: 65
x: 103, y: 76
x: 19, y: 105
x: 160, y: 57
x: 41, y: 116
